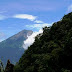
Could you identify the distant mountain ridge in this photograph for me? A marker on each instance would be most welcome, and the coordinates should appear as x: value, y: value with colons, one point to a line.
x: 11, y: 48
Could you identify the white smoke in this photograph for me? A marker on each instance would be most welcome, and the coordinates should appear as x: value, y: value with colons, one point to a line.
x: 30, y: 40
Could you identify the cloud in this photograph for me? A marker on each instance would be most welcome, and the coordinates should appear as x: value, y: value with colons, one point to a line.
x: 2, y: 17
x: 69, y: 8
x: 38, y: 26
x: 19, y: 16
x: 30, y: 40
x: 38, y: 21
x: 25, y: 16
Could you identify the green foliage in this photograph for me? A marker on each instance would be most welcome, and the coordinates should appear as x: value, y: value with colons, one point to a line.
x: 51, y: 51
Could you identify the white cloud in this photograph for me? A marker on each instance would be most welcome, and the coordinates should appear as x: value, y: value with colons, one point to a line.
x: 69, y: 8
x: 25, y: 16
x: 38, y: 26
x: 30, y: 40
x: 38, y: 21
x: 19, y: 16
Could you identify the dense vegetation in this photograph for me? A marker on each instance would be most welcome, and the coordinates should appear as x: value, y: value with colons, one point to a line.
x: 51, y: 51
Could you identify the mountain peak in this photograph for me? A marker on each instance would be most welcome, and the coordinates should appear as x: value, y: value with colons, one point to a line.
x: 11, y: 48
x: 22, y: 34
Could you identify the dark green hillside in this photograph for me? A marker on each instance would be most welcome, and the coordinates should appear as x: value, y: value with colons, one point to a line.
x: 11, y: 48
x: 51, y: 52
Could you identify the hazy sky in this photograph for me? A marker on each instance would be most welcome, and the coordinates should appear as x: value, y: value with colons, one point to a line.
x: 17, y: 15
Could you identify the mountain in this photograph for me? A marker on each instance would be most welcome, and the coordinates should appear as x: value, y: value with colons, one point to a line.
x: 51, y: 51
x: 11, y: 48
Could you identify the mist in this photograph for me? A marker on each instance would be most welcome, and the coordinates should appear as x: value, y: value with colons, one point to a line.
x: 30, y: 40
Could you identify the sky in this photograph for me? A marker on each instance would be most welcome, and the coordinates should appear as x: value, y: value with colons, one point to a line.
x: 17, y: 15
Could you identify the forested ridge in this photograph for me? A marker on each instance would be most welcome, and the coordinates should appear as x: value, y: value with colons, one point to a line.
x: 51, y: 51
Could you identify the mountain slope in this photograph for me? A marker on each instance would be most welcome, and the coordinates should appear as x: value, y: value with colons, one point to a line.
x: 11, y: 48
x: 51, y: 51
